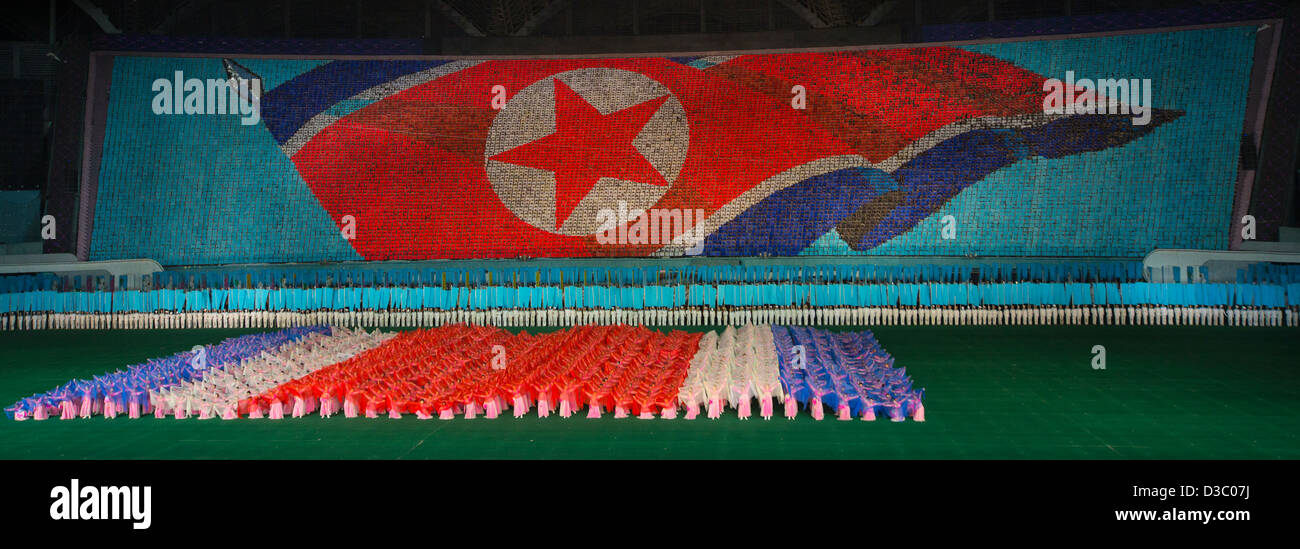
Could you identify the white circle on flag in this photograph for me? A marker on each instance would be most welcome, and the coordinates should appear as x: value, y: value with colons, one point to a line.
x: 530, y: 115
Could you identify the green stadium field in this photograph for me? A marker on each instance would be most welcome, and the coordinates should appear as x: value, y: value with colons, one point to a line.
x: 991, y: 393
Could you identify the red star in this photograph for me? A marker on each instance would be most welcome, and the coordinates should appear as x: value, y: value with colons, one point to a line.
x: 586, y: 146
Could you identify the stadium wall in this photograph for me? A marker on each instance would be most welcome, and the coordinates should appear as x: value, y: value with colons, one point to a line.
x: 936, y: 150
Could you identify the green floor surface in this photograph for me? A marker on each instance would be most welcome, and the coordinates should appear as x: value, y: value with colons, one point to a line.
x: 1005, y: 392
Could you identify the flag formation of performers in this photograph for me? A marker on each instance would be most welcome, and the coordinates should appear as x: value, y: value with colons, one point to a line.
x: 471, y: 371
